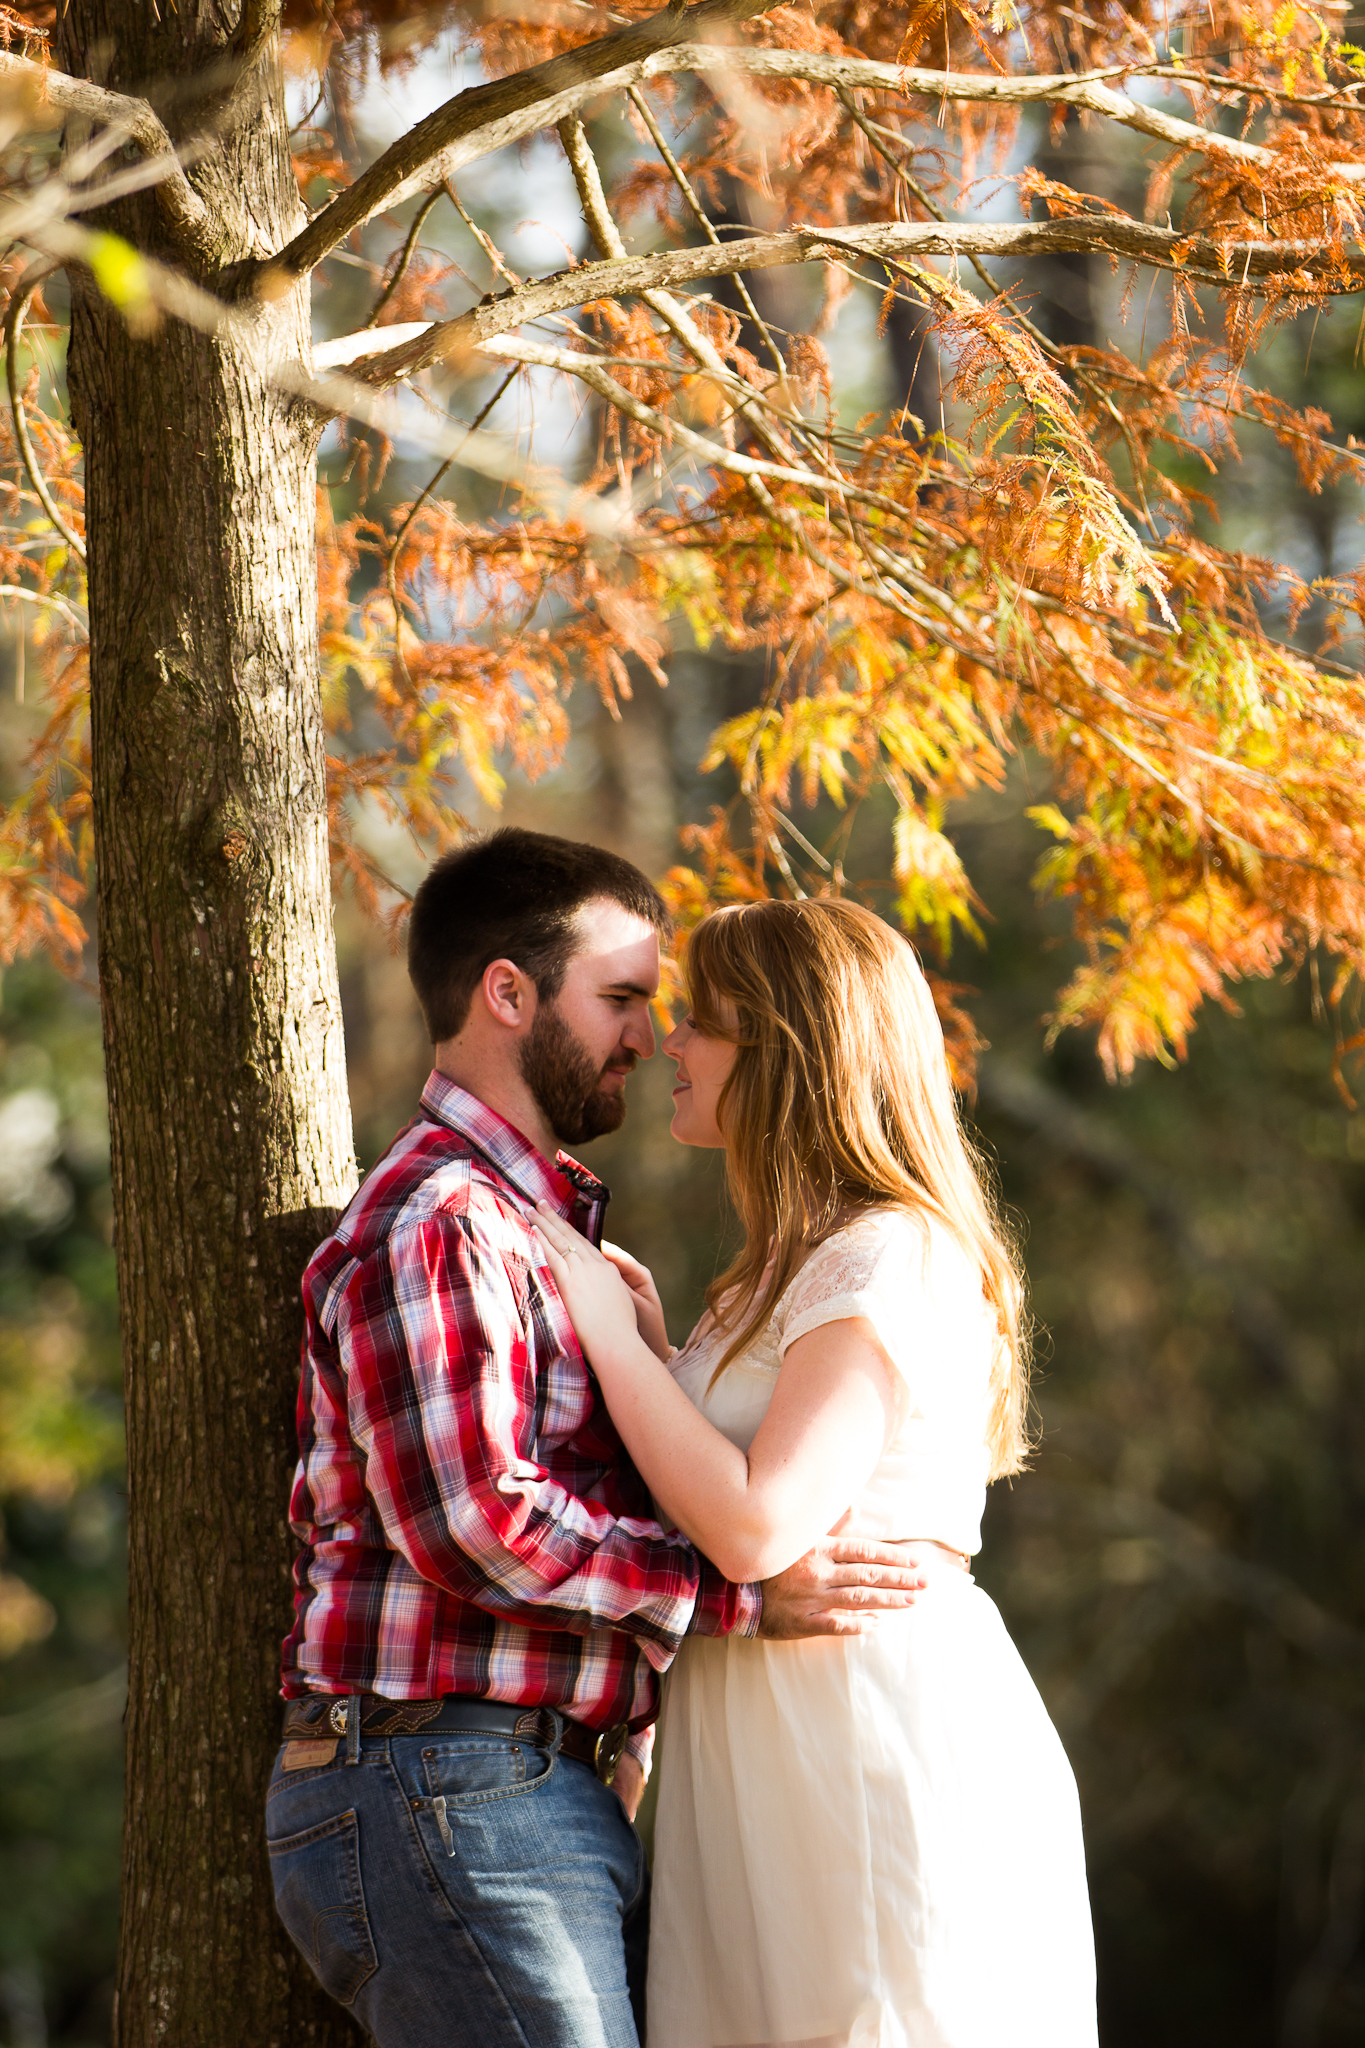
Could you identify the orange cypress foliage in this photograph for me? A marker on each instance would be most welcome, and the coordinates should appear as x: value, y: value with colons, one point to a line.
x: 1036, y: 571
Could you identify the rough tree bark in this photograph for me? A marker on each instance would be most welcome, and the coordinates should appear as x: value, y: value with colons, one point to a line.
x: 231, y: 1131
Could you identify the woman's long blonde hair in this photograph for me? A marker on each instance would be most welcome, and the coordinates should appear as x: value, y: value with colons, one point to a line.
x: 840, y: 1099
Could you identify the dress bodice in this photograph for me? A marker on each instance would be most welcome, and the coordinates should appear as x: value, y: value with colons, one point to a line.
x: 910, y: 1279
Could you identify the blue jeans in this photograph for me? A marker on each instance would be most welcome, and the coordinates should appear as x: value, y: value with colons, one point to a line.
x: 465, y: 1891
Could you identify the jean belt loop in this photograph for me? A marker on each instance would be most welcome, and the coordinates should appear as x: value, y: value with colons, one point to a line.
x: 559, y: 1731
x: 353, y: 1729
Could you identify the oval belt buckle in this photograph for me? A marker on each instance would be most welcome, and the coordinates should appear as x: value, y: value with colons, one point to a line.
x: 608, y: 1751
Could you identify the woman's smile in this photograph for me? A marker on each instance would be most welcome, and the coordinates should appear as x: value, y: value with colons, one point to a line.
x: 694, y: 1120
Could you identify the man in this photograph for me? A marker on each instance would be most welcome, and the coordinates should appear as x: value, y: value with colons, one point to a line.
x: 484, y: 1601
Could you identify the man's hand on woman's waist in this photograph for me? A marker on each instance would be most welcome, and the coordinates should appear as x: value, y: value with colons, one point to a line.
x: 839, y: 1587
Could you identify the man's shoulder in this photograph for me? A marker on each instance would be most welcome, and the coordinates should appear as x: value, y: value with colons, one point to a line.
x: 429, y: 1173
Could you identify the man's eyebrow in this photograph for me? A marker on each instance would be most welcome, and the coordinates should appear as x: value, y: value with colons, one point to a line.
x: 630, y: 988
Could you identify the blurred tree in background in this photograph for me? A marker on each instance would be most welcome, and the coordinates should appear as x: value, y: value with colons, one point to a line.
x: 61, y: 1497
x: 1183, y: 1569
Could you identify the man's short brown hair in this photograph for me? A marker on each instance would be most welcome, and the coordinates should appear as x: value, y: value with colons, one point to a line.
x: 513, y: 896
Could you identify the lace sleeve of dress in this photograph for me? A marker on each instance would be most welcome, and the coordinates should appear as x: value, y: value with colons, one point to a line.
x: 873, y: 1268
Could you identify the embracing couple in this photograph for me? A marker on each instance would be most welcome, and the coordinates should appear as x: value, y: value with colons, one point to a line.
x: 526, y: 1518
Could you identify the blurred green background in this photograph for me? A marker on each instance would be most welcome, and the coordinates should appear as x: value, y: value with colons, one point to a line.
x: 1184, y: 1567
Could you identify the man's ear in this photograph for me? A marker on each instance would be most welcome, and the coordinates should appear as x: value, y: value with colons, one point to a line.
x: 509, y: 994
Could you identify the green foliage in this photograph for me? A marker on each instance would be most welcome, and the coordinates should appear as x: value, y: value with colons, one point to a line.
x: 1184, y: 1568
x: 61, y: 1497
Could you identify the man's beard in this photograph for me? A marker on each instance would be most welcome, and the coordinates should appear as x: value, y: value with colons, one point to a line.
x: 564, y: 1079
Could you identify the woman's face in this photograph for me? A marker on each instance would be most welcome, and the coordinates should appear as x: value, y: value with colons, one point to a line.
x: 703, y: 1068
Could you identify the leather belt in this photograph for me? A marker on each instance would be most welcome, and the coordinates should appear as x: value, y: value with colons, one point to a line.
x: 318, y: 1718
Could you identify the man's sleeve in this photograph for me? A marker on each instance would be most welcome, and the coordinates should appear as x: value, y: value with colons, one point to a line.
x: 713, y: 1613
x: 640, y: 1745
x: 442, y: 1399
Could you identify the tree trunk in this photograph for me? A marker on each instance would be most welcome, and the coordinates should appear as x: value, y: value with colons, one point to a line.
x: 222, y: 1029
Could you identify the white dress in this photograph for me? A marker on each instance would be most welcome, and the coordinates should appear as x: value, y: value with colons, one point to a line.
x: 873, y: 1841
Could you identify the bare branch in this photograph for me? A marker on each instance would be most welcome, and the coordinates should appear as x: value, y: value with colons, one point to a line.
x: 487, y: 117
x: 591, y: 196
x: 1195, y: 256
x: 47, y: 600
x: 1086, y: 90
x: 592, y: 373
x: 366, y: 341
x: 186, y: 212
x: 497, y: 262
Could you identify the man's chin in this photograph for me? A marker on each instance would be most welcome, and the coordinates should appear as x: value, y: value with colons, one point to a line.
x: 602, y: 1114
x: 599, y: 1116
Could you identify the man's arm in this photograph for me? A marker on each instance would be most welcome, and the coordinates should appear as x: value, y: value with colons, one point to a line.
x: 442, y: 1402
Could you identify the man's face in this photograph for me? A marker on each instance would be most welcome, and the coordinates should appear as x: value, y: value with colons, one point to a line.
x: 581, y: 1046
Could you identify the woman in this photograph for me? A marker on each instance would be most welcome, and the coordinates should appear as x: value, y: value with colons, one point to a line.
x: 868, y: 1841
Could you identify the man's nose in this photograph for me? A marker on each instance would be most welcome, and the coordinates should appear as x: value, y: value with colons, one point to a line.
x: 639, y: 1034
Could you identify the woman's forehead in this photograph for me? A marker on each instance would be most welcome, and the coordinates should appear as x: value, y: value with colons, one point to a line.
x: 711, y: 1005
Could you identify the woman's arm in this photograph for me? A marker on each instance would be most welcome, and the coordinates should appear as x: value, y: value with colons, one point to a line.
x: 831, y: 1413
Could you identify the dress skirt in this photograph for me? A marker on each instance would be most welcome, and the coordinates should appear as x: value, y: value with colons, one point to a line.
x: 868, y: 1842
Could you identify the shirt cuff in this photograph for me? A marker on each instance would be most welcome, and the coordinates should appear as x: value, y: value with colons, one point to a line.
x: 722, y: 1607
x: 641, y: 1746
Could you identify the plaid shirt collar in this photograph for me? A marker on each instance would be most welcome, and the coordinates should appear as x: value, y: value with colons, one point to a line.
x: 565, y: 1186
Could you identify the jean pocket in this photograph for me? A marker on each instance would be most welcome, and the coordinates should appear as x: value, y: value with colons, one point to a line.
x: 319, y: 1897
x: 471, y: 1772
x: 283, y: 1781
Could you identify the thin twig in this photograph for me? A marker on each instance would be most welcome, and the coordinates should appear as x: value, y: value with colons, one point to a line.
x: 391, y: 565
x: 670, y: 309
x: 19, y: 301
x: 703, y: 220
x: 872, y: 129
x: 485, y: 241
x: 418, y: 222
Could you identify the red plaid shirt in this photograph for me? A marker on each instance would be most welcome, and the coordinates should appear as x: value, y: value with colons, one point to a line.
x: 470, y: 1521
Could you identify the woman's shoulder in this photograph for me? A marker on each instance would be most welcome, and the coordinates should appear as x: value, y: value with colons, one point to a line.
x: 877, y: 1234
x: 850, y: 1258
x: 890, y: 1248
